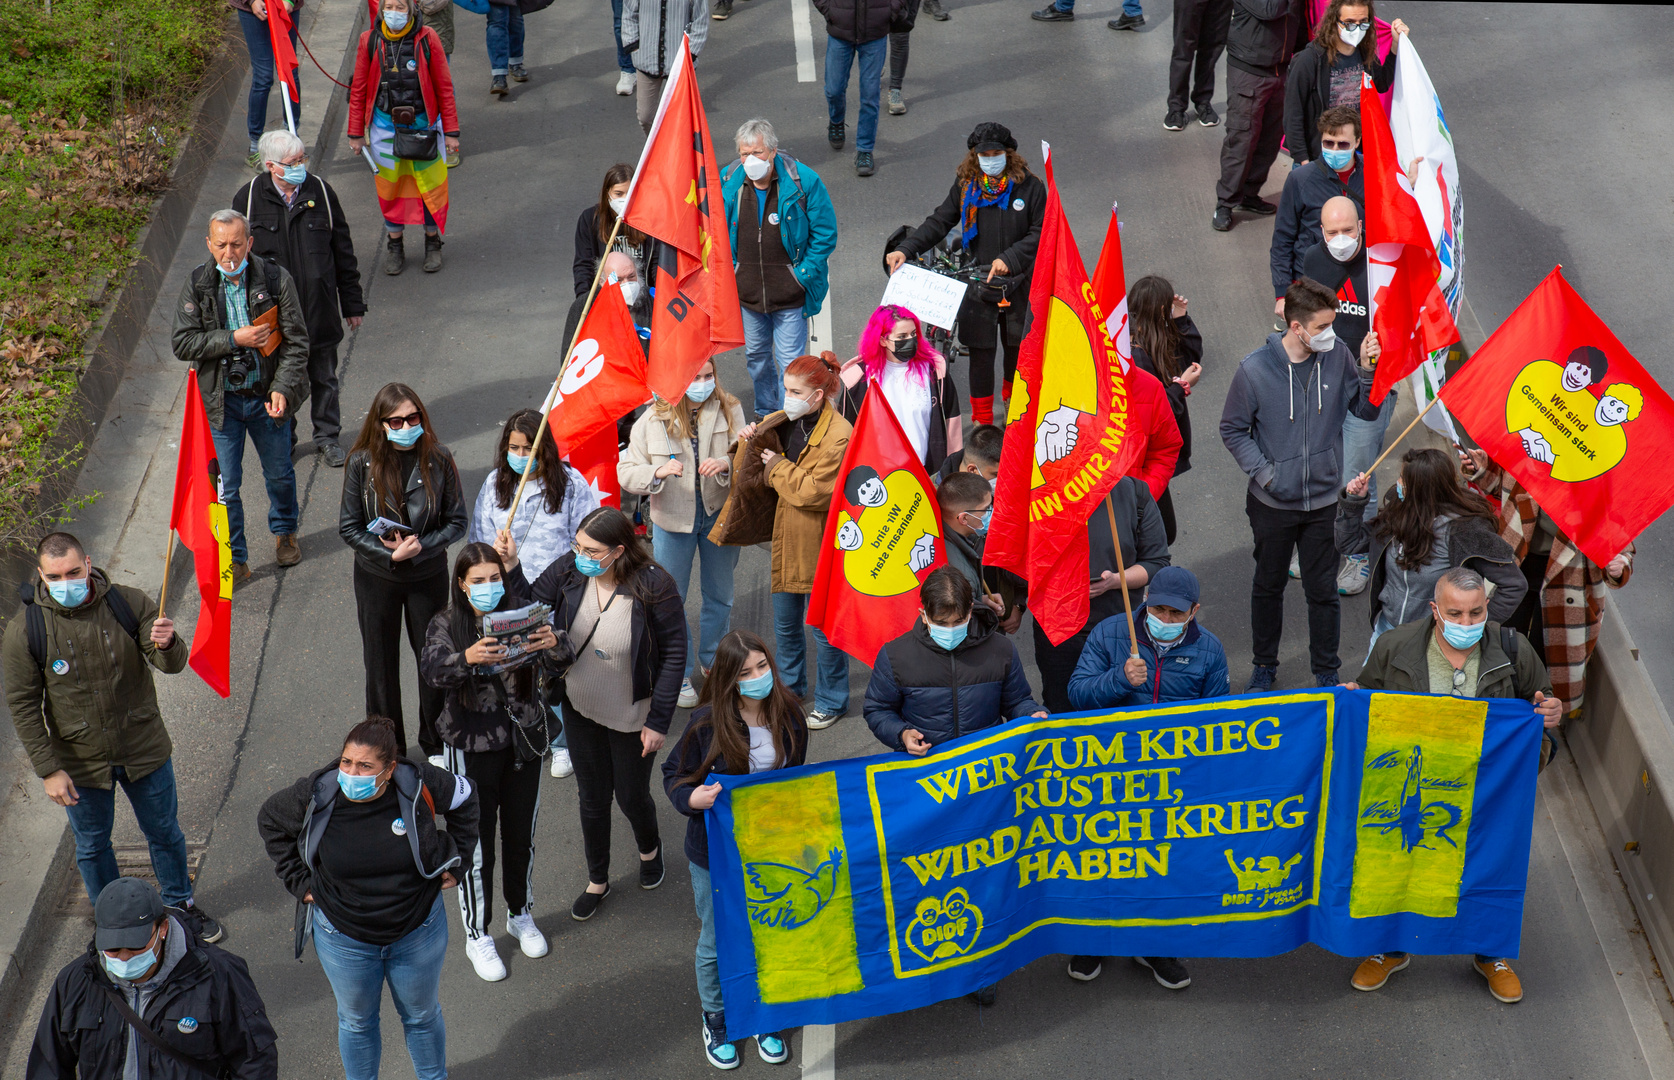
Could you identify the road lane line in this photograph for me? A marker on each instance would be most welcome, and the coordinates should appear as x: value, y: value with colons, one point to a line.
x: 802, y: 29
x: 819, y: 1041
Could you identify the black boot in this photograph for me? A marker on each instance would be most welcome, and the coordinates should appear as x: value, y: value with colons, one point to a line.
x: 395, y: 256
x: 432, y: 253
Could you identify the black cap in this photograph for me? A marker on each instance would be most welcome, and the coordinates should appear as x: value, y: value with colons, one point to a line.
x: 126, y: 914
x: 989, y: 137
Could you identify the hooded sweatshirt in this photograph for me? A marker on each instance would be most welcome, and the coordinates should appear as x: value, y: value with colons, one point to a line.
x: 1283, y: 422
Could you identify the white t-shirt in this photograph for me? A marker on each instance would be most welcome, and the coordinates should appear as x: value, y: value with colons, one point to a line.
x: 910, y: 400
x: 761, y: 749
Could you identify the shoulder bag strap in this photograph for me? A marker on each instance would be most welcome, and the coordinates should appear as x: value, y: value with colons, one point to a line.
x: 579, y: 649
x: 143, y: 1030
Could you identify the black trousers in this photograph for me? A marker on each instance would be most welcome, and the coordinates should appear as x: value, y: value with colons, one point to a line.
x: 1165, y: 506
x: 381, y: 605
x: 983, y: 326
x: 508, y: 793
x: 322, y: 393
x: 1310, y: 533
x: 900, y: 45
x: 1200, y: 28
x: 1057, y: 664
x: 610, y: 763
x: 1529, y: 618
x: 1255, y: 118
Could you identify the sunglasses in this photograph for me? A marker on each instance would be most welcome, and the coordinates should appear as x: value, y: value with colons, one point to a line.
x: 399, y: 422
x: 1364, y: 25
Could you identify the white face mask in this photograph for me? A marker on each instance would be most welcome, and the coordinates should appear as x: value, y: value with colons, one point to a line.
x: 757, y: 168
x: 1351, y: 38
x: 1342, y: 248
x: 618, y: 203
x: 1323, y: 341
x: 630, y: 292
x: 992, y: 164
x: 396, y: 21
x: 797, y: 408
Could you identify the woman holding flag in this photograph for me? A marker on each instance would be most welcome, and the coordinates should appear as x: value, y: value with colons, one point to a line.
x: 401, y: 95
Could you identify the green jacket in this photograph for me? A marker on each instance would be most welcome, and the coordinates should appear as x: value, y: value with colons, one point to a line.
x: 101, y: 709
x: 201, y: 336
x: 1399, y: 663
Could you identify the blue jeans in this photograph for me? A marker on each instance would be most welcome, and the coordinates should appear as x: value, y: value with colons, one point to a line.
x: 708, y: 969
x: 839, y: 55
x: 1380, y: 626
x: 831, y: 691
x: 155, y: 808
x: 675, y: 551
x: 505, y: 38
x: 413, y: 967
x: 624, y: 58
x: 273, y: 446
x: 771, y: 342
x: 1362, y: 443
x: 1129, y: 7
x: 260, y: 44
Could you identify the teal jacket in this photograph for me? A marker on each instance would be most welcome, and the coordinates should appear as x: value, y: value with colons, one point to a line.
x: 807, y: 222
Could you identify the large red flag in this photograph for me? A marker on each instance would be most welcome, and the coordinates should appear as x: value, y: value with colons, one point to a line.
x: 676, y: 197
x: 201, y: 520
x: 1409, y: 313
x: 1077, y: 437
x: 605, y: 376
x: 883, y: 537
x: 1560, y: 404
x: 284, y: 56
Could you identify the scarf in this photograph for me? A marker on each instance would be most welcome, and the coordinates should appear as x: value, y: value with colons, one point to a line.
x: 985, y: 190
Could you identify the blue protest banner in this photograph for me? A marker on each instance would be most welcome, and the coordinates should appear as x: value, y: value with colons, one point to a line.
x: 1245, y: 826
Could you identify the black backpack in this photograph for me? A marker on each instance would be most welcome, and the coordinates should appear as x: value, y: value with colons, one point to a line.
x: 34, y: 620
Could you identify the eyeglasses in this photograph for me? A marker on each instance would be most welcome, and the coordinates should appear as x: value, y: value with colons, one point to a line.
x: 1458, y: 679
x: 1363, y: 25
x: 398, y: 422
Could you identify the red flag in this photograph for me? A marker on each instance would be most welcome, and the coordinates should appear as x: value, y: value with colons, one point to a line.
x: 1562, y: 406
x: 284, y: 56
x: 883, y: 537
x: 676, y: 197
x: 201, y: 520
x: 1110, y: 285
x: 1077, y: 437
x: 596, y: 460
x: 605, y: 376
x: 1409, y: 314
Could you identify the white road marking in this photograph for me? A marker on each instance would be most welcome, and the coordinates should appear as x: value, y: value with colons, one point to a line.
x: 819, y: 1041
x: 802, y: 29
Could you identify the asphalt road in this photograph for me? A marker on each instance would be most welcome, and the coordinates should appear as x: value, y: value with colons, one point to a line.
x: 1558, y: 123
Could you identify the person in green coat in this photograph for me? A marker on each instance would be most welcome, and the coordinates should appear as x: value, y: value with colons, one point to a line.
x: 85, y: 709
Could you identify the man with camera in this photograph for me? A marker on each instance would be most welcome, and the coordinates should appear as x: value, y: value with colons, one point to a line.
x: 239, y: 321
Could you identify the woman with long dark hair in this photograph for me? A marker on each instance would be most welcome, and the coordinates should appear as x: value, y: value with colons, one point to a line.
x: 748, y: 722
x: 495, y: 729
x: 1167, y: 344
x: 624, y: 614
x: 895, y: 354
x: 403, y: 481
x: 1327, y: 72
x: 1429, y: 524
x: 592, y: 230
x: 555, y: 499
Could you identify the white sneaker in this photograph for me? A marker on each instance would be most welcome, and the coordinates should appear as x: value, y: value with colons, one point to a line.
x: 625, y: 84
x: 439, y: 761
x: 1356, y: 572
x: 688, y: 695
x: 561, y: 764
x: 485, y: 958
x: 528, y: 935
x: 1295, y: 566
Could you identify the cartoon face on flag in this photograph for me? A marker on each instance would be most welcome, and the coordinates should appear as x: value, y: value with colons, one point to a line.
x: 888, y: 534
x: 1568, y: 416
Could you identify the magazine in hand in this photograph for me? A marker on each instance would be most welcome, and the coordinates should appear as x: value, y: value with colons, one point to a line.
x: 512, y: 628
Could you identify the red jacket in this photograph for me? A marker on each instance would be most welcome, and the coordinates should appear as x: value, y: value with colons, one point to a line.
x: 1154, y: 418
x: 434, y: 82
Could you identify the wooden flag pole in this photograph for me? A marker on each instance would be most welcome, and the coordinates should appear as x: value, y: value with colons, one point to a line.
x: 168, y: 561
x: 1391, y: 447
x: 534, y: 447
x: 1122, y: 575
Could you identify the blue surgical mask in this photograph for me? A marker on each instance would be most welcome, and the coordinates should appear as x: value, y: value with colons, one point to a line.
x: 358, y: 788
x: 700, y: 390
x: 396, y: 21
x: 236, y: 272
x: 758, y: 687
x: 406, y: 438
x: 991, y: 164
x: 485, y: 596
x: 1462, y: 635
x: 1337, y: 159
x: 294, y: 175
x: 948, y: 637
x: 1163, y: 631
x: 1401, y: 491
x: 71, y: 592
x: 589, y: 565
x: 133, y: 968
x: 517, y: 464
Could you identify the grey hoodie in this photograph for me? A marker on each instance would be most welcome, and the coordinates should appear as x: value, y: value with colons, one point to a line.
x: 1293, y: 449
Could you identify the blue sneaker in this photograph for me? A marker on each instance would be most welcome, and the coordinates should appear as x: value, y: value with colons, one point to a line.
x: 1261, y: 678
x: 772, y: 1049
x: 721, y: 1054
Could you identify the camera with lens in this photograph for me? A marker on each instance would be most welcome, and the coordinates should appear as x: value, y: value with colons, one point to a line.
x: 243, y: 373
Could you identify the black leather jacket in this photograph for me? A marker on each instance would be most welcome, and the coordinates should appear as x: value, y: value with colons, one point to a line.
x: 436, y: 524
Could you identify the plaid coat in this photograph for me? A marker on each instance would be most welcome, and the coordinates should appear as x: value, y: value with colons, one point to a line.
x: 1572, y: 593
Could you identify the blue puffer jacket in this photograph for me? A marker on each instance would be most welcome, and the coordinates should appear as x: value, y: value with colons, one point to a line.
x: 807, y: 222
x: 1193, y: 669
x: 942, y: 695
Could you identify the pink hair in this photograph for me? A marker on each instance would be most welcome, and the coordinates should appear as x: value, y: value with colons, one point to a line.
x: 881, y: 325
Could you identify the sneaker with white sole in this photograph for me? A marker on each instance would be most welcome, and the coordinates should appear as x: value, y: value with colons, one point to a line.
x: 528, y: 935
x: 721, y: 1054
x: 772, y: 1049
x: 562, y: 766
x: 1352, y: 578
x: 485, y: 958
x: 1296, y: 565
x: 688, y: 695
x: 625, y: 84
x: 820, y: 719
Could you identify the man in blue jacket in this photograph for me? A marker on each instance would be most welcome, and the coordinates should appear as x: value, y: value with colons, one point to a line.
x: 781, y: 271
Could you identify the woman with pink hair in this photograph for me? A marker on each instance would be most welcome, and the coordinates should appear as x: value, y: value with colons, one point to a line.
x: 913, y: 377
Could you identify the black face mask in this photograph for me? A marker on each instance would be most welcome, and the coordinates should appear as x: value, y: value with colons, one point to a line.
x: 904, y: 350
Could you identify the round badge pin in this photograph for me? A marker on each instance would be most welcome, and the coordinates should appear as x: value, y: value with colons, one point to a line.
x: 411, y: 64
x: 1018, y: 204
x: 59, y: 667
x: 187, y: 1025
x: 773, y: 219
x: 398, y: 827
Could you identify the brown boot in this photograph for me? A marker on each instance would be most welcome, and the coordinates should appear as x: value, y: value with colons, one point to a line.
x: 240, y: 573
x: 395, y: 256
x: 287, y: 552
x: 432, y: 253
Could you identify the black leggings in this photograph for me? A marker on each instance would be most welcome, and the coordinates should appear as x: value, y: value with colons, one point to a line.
x: 508, y: 794
x: 609, y: 762
x: 898, y: 47
x: 1165, y: 506
x: 380, y: 605
x: 983, y: 327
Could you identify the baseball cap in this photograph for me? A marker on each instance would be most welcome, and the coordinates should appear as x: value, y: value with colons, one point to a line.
x: 1175, y: 587
x: 125, y: 915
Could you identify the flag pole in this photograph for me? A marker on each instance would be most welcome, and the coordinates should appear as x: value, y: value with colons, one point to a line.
x: 546, y: 409
x: 168, y: 561
x: 1391, y: 447
x: 1122, y: 575
x: 285, y: 95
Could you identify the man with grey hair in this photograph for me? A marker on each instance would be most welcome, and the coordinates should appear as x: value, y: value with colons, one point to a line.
x: 239, y: 322
x: 1455, y: 650
x: 297, y: 222
x: 783, y: 230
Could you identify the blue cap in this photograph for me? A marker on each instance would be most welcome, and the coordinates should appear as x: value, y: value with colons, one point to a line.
x: 1175, y: 587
